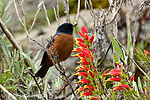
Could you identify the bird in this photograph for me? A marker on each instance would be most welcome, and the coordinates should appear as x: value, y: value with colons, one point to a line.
x: 62, y: 42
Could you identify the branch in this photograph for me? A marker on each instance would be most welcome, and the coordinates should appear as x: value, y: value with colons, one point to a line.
x: 8, y: 34
x: 6, y: 91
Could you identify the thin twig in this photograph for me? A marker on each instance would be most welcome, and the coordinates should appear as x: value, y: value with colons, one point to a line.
x: 78, y: 11
x: 37, y: 85
x: 6, y: 91
x: 68, y: 82
x: 66, y: 5
x: 105, y: 55
x: 34, y: 19
x: 8, y: 34
x: 113, y: 18
x: 46, y: 15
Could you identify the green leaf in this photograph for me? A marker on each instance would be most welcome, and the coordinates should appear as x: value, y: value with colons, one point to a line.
x: 7, y: 76
x: 36, y: 56
x: 117, y: 48
x: 115, y: 58
x: 11, y: 87
x: 6, y: 52
x: 140, y: 84
x: 4, y: 76
x: 8, y: 17
x: 136, y: 88
x: 8, y: 5
x: 3, y: 5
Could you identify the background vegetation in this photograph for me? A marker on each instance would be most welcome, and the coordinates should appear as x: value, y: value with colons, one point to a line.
x: 121, y: 29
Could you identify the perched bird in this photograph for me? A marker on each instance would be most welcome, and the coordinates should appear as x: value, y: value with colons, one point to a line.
x: 63, y: 44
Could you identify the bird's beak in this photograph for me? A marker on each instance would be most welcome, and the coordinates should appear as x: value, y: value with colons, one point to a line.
x: 75, y: 25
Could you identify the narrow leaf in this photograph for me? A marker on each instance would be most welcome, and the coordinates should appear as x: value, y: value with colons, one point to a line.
x: 116, y: 47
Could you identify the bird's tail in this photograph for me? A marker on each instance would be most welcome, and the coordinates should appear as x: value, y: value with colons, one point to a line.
x: 42, y: 71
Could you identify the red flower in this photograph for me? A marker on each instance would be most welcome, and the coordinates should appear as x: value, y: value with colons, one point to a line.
x: 121, y: 87
x: 114, y: 79
x: 86, y: 94
x: 93, y: 98
x: 147, y: 53
x: 115, y: 70
x: 85, y: 37
x: 83, y: 81
x: 117, y: 88
x: 81, y: 34
x: 79, y: 40
x: 119, y: 65
x: 89, y: 87
x: 125, y: 86
x: 82, y: 68
x: 92, y: 38
x: 83, y: 61
x: 86, y: 52
x: 113, y: 74
x: 80, y: 90
x: 81, y: 44
x: 103, y: 75
x: 76, y: 50
x: 91, y: 73
x: 83, y: 29
x: 81, y: 74
x: 132, y: 78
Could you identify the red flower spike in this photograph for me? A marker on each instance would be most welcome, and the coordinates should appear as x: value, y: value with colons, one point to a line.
x: 83, y: 29
x: 92, y: 38
x: 76, y: 50
x: 103, y: 75
x: 113, y: 74
x: 147, y: 53
x: 81, y: 74
x: 79, y: 40
x: 81, y: 44
x: 119, y: 65
x: 93, y: 98
x: 91, y: 73
x: 81, y: 34
x: 114, y: 79
x: 117, y: 88
x: 83, y: 81
x: 89, y: 87
x: 132, y: 78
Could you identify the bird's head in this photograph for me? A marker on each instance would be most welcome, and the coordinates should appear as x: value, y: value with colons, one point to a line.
x: 66, y: 28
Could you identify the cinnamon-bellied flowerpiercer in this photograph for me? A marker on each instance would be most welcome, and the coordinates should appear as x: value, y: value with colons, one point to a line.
x: 62, y: 42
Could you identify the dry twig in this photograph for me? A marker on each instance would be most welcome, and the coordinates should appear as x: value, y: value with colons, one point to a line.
x: 6, y: 91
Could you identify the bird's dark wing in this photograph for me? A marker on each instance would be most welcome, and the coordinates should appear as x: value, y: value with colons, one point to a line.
x: 48, y: 45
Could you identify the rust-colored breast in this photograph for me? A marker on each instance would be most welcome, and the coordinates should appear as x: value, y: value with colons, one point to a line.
x: 63, y: 44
